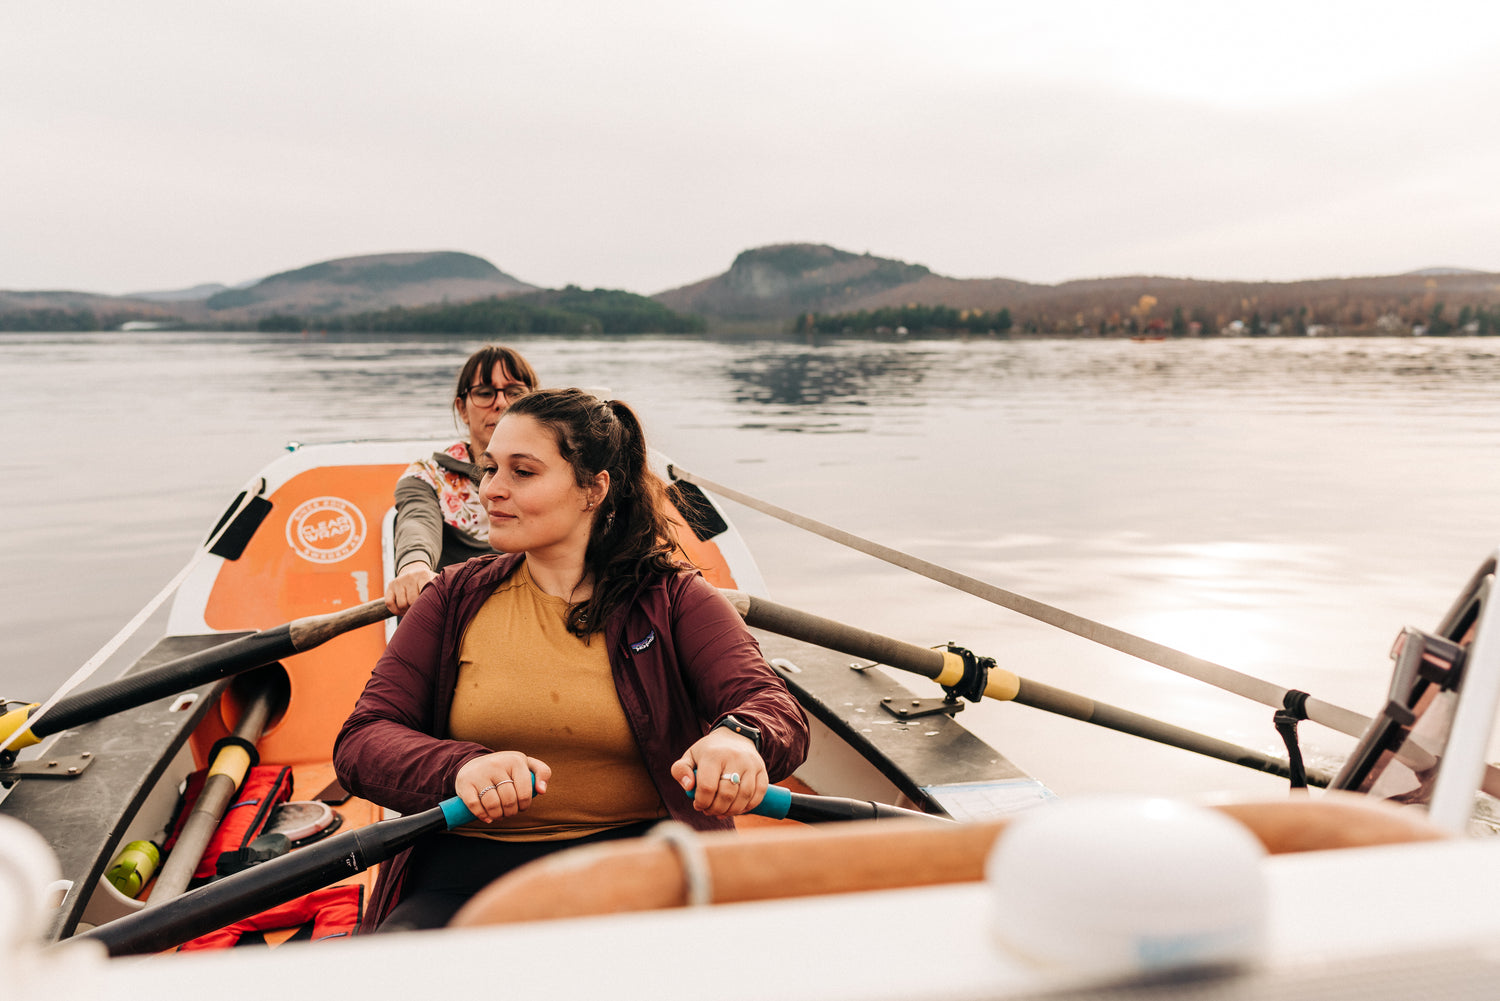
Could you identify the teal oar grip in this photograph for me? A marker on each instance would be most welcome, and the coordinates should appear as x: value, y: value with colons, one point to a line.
x: 454, y: 812
x: 774, y: 804
x: 780, y: 803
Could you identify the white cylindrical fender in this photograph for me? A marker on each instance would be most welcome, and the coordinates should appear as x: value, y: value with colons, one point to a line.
x: 1122, y: 886
x: 29, y: 885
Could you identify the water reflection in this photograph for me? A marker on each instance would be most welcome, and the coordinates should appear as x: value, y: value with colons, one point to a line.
x: 1282, y: 507
x: 822, y: 378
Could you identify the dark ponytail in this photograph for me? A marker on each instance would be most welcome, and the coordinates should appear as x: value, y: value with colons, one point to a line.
x: 631, y: 537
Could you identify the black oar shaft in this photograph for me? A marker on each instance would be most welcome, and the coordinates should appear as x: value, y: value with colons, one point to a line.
x: 222, y: 661
x: 174, y: 676
x: 1055, y: 700
x: 1003, y: 685
x: 264, y: 886
x: 836, y: 809
x: 838, y: 636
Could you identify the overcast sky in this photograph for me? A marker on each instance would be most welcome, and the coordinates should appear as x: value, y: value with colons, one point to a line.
x: 152, y: 144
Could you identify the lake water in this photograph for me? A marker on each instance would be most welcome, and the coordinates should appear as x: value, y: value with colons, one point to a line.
x: 1279, y: 506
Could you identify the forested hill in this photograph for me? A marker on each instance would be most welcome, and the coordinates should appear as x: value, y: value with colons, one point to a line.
x: 810, y: 286
x: 571, y: 310
x: 779, y: 282
x: 340, y: 287
x: 777, y: 288
x: 359, y: 284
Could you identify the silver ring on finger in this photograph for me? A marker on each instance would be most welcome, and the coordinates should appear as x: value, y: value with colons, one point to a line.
x: 733, y: 777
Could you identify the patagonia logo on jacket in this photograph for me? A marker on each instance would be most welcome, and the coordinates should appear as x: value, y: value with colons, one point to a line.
x: 640, y: 646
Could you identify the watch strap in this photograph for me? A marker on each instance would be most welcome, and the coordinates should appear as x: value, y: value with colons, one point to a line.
x: 736, y: 725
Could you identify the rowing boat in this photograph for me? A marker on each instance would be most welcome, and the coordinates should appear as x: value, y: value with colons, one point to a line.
x: 307, y: 543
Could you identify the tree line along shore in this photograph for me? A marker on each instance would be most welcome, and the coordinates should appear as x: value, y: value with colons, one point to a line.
x: 577, y: 311
x: 1146, y: 319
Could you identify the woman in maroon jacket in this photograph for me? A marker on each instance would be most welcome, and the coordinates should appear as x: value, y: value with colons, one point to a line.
x: 582, y: 688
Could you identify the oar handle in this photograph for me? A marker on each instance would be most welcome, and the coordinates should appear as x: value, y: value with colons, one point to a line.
x: 314, y: 630
x: 780, y: 803
x: 776, y: 803
x: 457, y: 814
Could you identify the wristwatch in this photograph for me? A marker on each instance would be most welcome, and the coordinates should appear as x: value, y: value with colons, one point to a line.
x: 736, y: 725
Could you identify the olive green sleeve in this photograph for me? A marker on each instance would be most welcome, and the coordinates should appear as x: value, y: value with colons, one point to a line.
x: 419, y: 524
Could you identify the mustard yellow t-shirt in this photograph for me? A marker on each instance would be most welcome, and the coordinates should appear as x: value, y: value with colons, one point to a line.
x: 527, y: 684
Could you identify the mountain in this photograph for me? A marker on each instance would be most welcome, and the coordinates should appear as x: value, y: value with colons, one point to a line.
x: 343, y: 286
x: 361, y: 284
x: 776, y: 285
x: 782, y: 281
x: 1429, y: 272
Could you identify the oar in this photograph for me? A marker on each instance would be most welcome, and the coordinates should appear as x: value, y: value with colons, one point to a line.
x: 229, y: 526
x: 234, y: 657
x: 260, y: 887
x: 780, y: 803
x: 947, y: 668
x: 228, y: 770
x: 1256, y: 689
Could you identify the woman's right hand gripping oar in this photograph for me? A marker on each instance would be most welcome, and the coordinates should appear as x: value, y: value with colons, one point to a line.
x: 501, y: 784
x: 734, y: 778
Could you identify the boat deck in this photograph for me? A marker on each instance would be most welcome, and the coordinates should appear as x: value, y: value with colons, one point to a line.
x: 85, y: 818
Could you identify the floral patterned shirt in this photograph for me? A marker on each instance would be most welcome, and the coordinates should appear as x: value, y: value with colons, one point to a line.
x: 453, y: 498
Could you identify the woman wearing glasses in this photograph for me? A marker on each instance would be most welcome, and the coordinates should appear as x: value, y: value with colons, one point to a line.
x: 440, y: 518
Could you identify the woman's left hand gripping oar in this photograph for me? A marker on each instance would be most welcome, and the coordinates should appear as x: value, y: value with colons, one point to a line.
x: 502, y: 784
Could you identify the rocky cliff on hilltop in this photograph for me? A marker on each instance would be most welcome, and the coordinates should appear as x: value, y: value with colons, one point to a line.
x: 777, y: 282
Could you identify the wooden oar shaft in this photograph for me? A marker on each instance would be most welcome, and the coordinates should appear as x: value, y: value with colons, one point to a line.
x: 1256, y: 689
x: 1003, y: 685
x: 225, y: 775
x: 315, y: 630
x: 234, y: 657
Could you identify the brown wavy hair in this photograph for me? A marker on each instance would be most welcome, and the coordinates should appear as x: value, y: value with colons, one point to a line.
x: 481, y: 365
x: 630, y: 541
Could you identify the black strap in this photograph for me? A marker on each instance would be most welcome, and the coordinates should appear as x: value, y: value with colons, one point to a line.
x: 1286, y: 721
x: 976, y: 676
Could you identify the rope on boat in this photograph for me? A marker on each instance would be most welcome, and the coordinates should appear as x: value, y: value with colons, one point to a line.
x: 1253, y: 688
x: 129, y: 629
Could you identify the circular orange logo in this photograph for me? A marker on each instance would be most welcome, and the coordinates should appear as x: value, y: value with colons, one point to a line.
x: 325, y: 530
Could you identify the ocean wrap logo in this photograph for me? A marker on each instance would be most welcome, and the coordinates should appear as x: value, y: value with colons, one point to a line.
x: 325, y: 530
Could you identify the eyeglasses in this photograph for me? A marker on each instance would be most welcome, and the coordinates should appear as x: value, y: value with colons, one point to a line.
x: 485, y: 395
